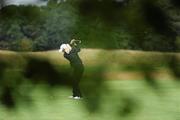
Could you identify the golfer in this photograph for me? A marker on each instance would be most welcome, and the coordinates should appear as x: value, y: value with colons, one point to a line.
x: 71, y: 54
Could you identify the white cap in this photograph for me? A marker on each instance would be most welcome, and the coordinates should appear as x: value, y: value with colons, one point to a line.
x: 65, y: 48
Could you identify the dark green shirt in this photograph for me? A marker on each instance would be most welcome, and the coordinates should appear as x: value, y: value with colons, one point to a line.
x: 73, y: 57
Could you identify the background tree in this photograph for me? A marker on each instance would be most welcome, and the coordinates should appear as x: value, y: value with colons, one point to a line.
x: 109, y: 24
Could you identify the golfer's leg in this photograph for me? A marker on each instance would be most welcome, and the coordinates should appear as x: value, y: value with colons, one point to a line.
x: 76, y: 89
x: 77, y: 77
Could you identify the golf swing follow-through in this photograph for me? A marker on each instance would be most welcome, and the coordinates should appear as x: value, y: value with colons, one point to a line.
x: 70, y: 51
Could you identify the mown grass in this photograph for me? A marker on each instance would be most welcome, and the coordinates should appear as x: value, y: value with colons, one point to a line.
x: 117, y: 84
x: 111, y: 60
x: 125, y: 100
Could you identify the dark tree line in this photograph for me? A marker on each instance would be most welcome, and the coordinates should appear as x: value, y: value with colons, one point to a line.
x: 110, y: 24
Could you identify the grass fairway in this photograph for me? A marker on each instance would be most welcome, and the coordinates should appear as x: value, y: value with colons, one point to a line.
x: 117, y: 64
x: 117, y: 85
x: 125, y: 100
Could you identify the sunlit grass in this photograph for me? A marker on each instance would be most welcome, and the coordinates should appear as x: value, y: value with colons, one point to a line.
x: 113, y: 61
x: 125, y: 100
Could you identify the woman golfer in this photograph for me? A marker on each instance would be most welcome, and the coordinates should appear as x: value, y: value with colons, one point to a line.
x: 71, y: 54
